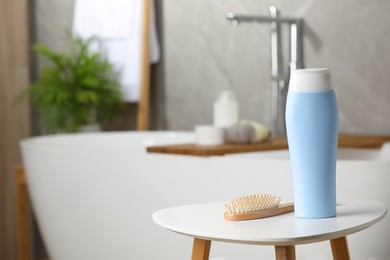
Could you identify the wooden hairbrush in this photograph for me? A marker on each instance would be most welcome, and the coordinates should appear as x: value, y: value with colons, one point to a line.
x: 255, y: 207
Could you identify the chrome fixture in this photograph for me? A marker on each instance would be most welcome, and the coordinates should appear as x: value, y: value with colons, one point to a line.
x: 279, y: 80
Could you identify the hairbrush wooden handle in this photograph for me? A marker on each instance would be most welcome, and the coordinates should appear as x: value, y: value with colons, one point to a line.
x: 281, y: 209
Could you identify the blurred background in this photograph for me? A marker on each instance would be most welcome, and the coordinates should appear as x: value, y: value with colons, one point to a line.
x: 201, y: 55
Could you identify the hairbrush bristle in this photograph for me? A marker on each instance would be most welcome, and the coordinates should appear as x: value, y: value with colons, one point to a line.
x: 252, y: 203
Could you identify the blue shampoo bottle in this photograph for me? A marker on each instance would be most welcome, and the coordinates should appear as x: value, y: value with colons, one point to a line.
x: 312, y: 131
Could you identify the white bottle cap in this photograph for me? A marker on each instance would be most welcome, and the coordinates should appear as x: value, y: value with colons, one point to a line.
x: 310, y: 80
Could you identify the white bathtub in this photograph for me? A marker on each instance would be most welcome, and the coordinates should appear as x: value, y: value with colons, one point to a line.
x: 94, y: 194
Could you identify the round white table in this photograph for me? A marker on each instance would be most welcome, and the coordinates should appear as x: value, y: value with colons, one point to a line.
x: 205, y: 222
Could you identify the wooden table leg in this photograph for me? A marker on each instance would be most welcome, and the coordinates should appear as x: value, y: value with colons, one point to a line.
x: 285, y: 252
x: 340, y: 249
x: 201, y: 249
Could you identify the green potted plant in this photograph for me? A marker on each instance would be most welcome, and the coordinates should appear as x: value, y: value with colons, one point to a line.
x: 76, y: 88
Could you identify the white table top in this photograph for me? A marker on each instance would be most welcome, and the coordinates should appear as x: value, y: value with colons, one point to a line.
x: 206, y: 221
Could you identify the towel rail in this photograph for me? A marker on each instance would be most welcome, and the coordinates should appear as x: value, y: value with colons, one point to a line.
x: 144, y: 101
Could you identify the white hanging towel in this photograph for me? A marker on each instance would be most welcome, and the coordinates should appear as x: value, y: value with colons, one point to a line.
x: 118, y: 24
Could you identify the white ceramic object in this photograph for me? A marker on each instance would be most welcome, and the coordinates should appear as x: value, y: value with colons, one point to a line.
x: 94, y: 195
x: 209, y: 135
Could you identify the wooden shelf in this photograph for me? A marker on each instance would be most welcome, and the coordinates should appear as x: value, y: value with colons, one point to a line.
x: 273, y: 143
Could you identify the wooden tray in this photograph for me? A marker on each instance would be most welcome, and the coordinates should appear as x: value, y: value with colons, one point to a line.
x: 273, y: 143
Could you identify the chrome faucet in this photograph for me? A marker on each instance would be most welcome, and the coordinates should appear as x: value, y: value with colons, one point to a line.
x: 279, y: 80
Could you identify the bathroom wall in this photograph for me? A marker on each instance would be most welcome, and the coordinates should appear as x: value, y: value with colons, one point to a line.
x: 204, y: 54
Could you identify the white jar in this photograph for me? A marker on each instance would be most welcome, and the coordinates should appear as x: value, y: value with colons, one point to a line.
x: 209, y: 135
x: 226, y: 109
